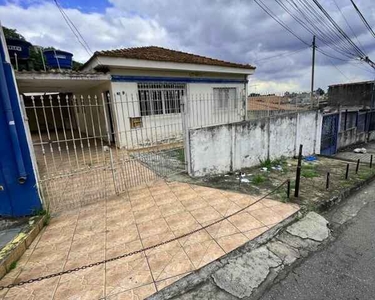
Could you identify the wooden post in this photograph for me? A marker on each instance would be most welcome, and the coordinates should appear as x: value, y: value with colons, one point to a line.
x: 357, y: 168
x: 347, y: 172
x: 298, y: 172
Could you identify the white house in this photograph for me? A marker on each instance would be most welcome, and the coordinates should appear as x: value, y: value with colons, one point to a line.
x: 148, y: 85
x: 144, y: 89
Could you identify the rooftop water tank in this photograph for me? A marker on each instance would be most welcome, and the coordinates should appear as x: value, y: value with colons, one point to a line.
x: 18, y: 47
x: 58, y: 59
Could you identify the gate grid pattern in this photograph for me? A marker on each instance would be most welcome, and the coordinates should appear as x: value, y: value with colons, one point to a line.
x: 87, y: 148
x: 329, y: 134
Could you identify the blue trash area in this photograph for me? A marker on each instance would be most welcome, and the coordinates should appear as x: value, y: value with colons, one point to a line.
x: 310, y: 158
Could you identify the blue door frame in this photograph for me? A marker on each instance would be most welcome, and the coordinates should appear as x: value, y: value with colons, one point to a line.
x: 18, y: 185
x: 330, y: 127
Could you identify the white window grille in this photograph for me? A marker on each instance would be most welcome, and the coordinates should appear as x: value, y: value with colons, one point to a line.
x: 225, y: 98
x: 160, y: 98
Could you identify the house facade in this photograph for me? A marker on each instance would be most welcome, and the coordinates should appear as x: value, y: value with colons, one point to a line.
x: 149, y: 85
x: 134, y: 97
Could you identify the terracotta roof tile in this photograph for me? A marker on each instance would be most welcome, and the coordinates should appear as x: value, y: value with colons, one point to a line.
x: 162, y: 54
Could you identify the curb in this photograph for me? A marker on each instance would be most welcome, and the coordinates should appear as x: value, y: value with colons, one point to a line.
x: 13, y: 251
x: 327, y: 204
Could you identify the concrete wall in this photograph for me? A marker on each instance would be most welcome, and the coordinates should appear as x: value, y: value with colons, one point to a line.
x: 351, y: 94
x: 350, y: 137
x: 223, y: 148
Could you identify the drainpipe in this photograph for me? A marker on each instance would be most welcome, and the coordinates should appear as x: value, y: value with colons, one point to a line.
x: 245, y: 96
x: 7, y: 75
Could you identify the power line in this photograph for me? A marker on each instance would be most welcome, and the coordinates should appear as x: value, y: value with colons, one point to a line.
x: 318, y: 21
x: 318, y: 26
x: 280, y: 55
x: 267, y: 11
x: 347, y: 23
x: 332, y: 63
x: 70, y: 26
x: 343, y: 34
x: 315, y: 21
x: 75, y: 31
x: 311, y: 24
x: 363, y: 19
x: 346, y: 61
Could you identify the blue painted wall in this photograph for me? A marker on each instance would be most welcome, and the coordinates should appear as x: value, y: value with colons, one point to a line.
x: 15, y: 199
x: 124, y: 78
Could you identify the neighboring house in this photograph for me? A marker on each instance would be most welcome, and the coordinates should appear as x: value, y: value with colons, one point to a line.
x: 145, y: 87
x: 301, y: 98
x: 359, y: 94
x: 272, y: 102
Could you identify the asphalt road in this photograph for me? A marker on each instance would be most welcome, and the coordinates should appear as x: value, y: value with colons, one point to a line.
x: 344, y: 269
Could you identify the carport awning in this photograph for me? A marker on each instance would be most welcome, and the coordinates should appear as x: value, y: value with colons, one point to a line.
x: 56, y: 81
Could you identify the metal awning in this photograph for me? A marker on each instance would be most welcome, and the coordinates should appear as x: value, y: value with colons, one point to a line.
x: 56, y: 81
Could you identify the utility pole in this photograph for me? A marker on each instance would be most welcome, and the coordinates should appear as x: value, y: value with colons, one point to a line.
x: 312, y: 70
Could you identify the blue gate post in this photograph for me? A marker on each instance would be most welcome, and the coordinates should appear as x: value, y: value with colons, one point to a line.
x: 18, y: 186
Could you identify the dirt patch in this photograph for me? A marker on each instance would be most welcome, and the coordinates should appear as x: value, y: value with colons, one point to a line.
x: 270, y: 174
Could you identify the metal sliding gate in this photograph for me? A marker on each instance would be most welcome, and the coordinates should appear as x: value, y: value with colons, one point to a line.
x: 329, y: 134
x: 88, y: 148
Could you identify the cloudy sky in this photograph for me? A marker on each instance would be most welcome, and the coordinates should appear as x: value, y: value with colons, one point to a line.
x: 233, y: 30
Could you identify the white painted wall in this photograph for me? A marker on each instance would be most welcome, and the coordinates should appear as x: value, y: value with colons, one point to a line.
x: 97, y: 113
x: 164, y: 128
x: 168, y: 128
x: 223, y: 148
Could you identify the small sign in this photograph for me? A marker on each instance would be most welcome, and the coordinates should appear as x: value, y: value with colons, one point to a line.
x: 15, y: 48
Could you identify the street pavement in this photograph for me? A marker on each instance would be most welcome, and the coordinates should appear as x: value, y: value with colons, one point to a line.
x: 345, y: 268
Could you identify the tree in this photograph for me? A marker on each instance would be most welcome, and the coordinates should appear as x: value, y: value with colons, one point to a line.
x: 36, y: 52
x: 319, y: 92
x: 12, y: 34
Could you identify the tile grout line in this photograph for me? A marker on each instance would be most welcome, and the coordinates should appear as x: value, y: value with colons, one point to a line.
x: 240, y: 231
x: 182, y: 275
x: 105, y: 248
x: 215, y: 239
x: 220, y: 225
x: 220, y: 222
x: 182, y: 246
x: 173, y: 235
x: 136, y: 225
x: 205, y: 230
x: 67, y: 257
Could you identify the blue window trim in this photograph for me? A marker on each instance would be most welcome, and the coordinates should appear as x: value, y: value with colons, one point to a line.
x: 122, y: 78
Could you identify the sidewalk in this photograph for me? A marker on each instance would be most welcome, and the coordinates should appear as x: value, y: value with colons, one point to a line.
x: 349, y: 154
x: 143, y: 217
x: 345, y: 269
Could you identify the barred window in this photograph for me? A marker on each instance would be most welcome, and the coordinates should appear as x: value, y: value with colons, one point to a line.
x: 160, y: 98
x: 225, y: 98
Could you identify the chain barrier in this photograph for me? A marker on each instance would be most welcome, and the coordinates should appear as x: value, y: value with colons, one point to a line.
x: 12, y: 285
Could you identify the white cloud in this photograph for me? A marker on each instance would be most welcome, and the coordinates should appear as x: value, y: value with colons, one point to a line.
x: 233, y: 30
x: 42, y: 24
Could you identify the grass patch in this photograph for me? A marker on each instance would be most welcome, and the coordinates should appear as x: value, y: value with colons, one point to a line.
x: 180, y: 154
x: 268, y: 163
x: 309, y: 171
x: 13, y: 265
x: 44, y: 212
x: 283, y: 196
x: 258, y: 179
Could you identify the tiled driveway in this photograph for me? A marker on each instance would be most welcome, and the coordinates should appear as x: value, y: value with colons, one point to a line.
x: 143, y: 217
